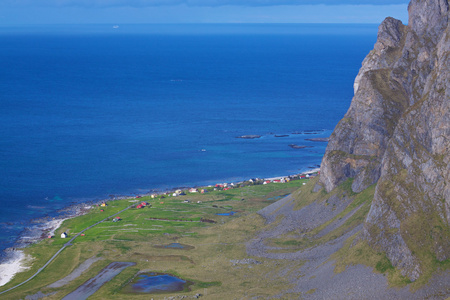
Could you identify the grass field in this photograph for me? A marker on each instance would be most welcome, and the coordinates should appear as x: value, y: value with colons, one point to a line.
x: 212, y: 260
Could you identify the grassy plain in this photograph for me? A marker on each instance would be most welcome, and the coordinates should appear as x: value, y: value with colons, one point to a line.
x: 213, y: 263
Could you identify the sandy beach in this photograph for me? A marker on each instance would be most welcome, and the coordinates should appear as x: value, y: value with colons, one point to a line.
x: 16, y: 261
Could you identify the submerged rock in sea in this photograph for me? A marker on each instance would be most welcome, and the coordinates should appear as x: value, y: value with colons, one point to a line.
x: 250, y: 136
x: 318, y: 139
x: 294, y: 146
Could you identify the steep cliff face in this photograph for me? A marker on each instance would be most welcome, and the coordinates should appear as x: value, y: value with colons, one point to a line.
x: 396, y: 134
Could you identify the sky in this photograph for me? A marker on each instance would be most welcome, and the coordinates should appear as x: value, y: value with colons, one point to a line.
x: 34, y: 12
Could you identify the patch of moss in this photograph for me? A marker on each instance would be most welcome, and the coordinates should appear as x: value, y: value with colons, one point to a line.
x: 359, y: 252
x: 311, y: 291
x: 383, y: 265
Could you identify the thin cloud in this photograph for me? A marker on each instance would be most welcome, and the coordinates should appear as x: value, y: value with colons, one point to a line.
x: 193, y: 3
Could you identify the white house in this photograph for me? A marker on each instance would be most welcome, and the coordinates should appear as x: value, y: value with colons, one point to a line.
x: 63, y: 235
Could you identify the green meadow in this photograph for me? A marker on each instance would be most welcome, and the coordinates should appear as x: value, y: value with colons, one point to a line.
x: 212, y: 247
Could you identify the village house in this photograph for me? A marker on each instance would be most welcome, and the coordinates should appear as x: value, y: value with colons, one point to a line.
x: 63, y: 235
x: 193, y: 190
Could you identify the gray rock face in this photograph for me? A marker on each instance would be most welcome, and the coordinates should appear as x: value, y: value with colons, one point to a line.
x: 396, y: 134
x: 359, y: 141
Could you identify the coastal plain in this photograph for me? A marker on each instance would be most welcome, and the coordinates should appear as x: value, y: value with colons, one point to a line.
x: 212, y: 230
x: 289, y: 240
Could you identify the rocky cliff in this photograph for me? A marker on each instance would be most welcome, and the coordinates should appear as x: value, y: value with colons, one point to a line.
x: 396, y: 135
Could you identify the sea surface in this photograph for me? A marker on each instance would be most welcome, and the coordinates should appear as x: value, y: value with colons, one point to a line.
x: 95, y: 112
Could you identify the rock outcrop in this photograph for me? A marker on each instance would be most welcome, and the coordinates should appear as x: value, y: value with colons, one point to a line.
x: 396, y: 135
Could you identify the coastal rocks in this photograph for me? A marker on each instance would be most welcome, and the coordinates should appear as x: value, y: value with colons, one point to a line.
x: 294, y: 146
x: 318, y: 140
x: 250, y: 136
x: 396, y: 135
x: 309, y: 132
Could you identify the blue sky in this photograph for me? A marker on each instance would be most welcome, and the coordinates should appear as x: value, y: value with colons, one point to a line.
x: 25, y: 12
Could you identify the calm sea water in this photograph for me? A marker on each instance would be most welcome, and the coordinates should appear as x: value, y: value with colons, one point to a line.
x: 92, y: 111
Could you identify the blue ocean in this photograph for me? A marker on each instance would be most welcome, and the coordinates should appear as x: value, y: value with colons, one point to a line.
x: 92, y: 112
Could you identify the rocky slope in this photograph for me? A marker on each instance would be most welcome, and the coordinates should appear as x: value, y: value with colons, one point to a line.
x: 396, y: 135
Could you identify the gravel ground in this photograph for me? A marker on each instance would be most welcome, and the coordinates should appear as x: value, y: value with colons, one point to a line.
x: 92, y: 285
x: 76, y: 273
x: 337, y: 223
x: 317, y: 275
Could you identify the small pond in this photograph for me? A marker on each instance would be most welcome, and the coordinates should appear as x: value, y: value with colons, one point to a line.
x: 227, y: 214
x: 156, y: 283
x: 175, y: 246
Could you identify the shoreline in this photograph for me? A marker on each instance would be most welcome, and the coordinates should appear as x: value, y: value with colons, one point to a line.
x: 14, y: 260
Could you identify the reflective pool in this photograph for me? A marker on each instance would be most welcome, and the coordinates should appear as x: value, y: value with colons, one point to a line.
x: 156, y: 283
x: 227, y: 214
x: 175, y: 246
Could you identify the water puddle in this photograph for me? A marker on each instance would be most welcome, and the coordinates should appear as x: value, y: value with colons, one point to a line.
x: 156, y: 283
x: 227, y: 214
x: 175, y: 246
